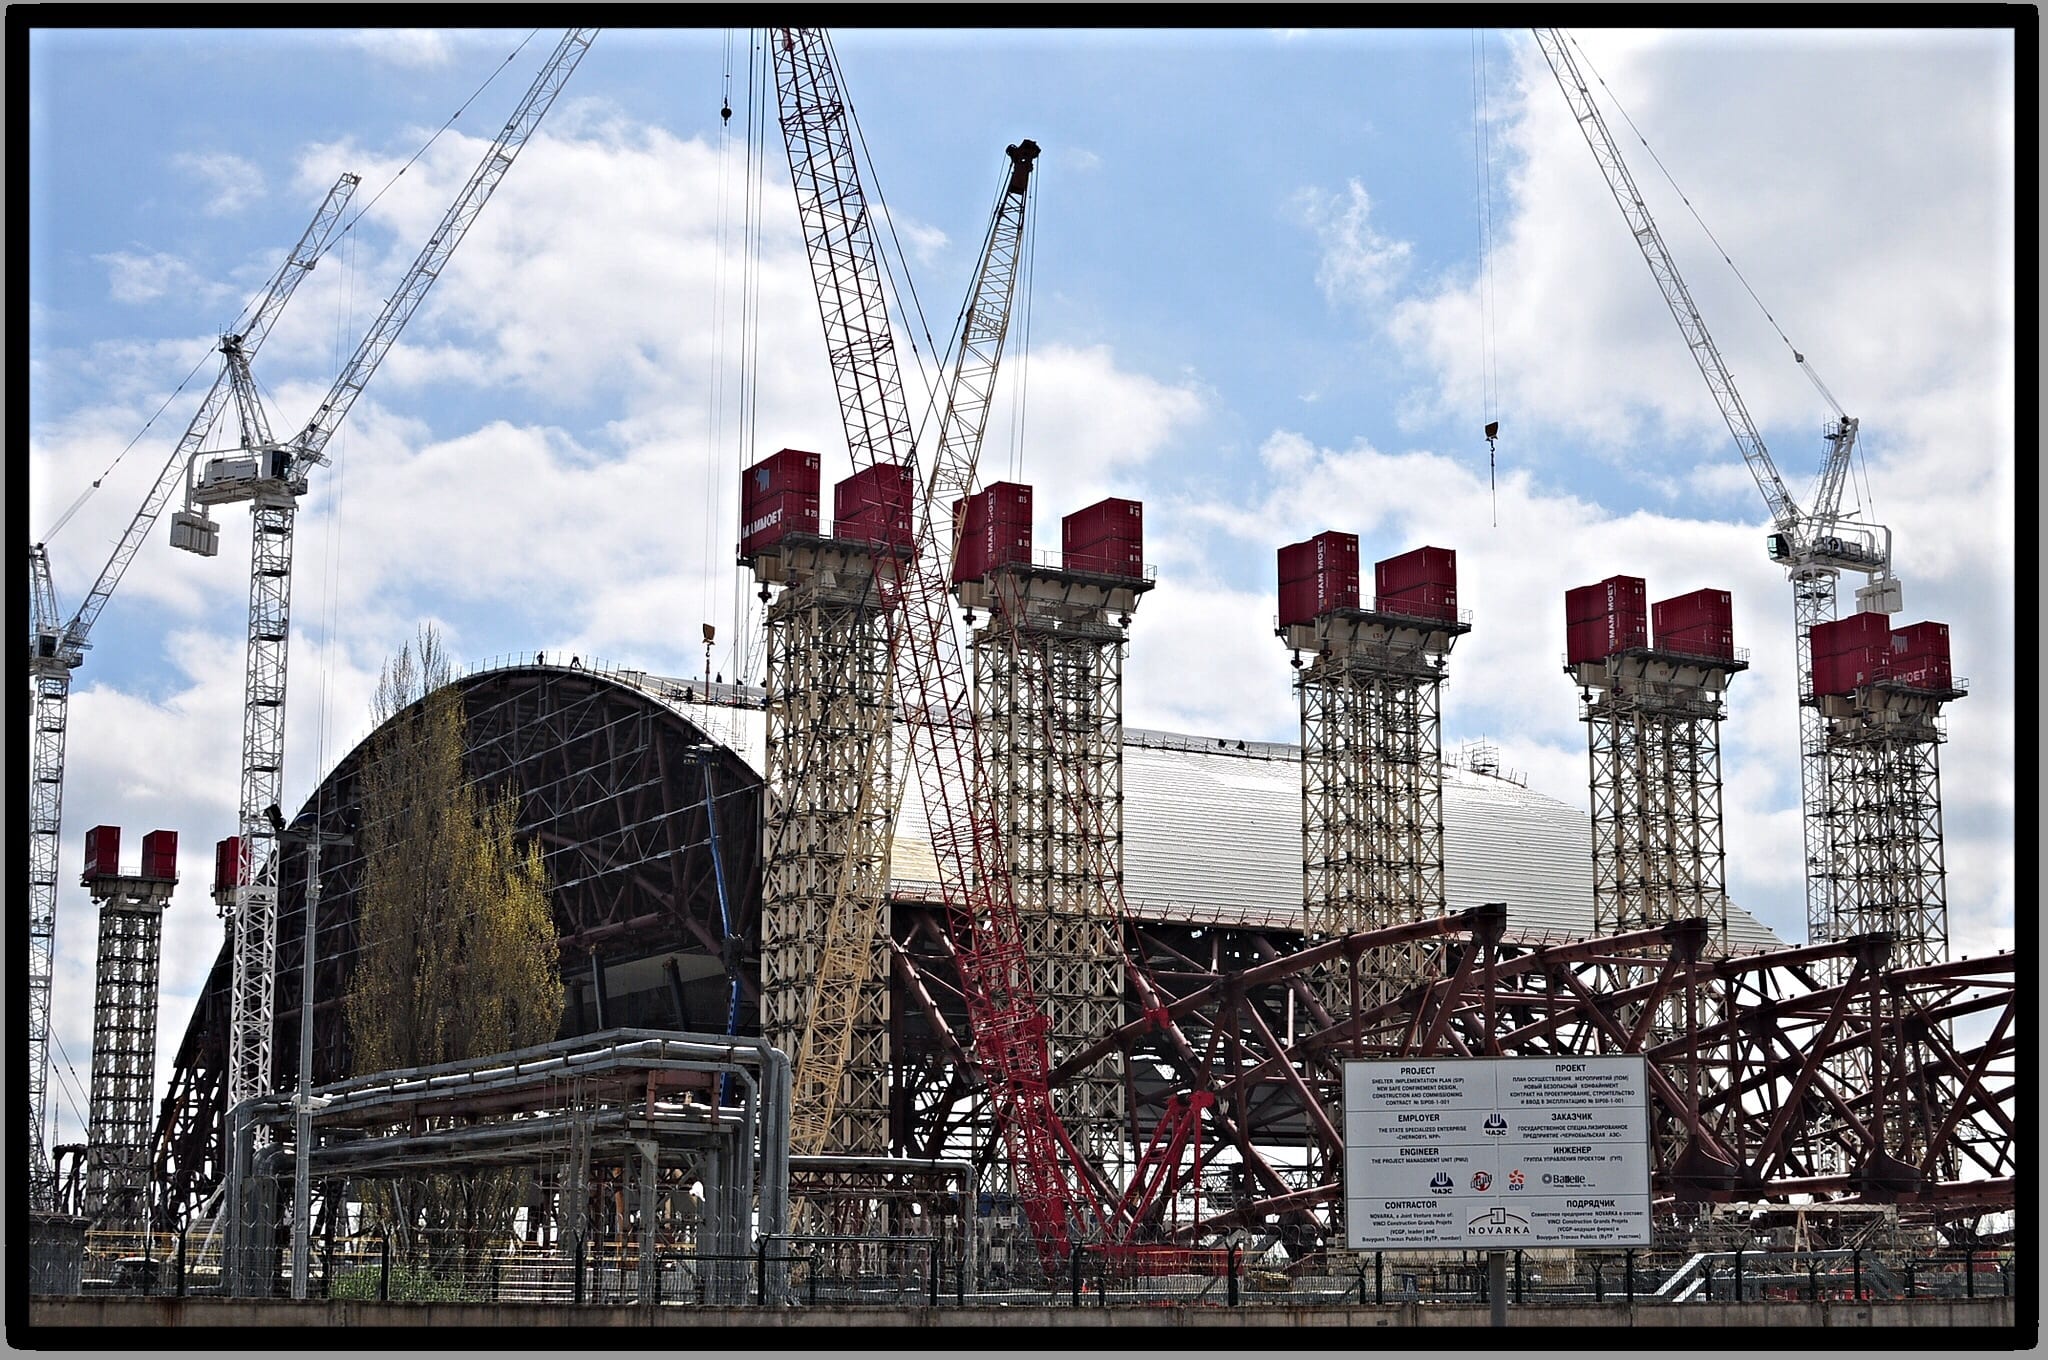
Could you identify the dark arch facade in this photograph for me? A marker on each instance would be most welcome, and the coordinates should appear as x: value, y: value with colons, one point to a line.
x: 654, y: 931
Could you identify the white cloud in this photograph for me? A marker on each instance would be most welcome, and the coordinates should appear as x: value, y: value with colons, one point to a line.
x: 407, y: 47
x: 233, y: 182
x: 1359, y: 264
x: 133, y: 277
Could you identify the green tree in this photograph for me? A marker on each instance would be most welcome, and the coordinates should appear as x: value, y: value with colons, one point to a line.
x: 456, y: 947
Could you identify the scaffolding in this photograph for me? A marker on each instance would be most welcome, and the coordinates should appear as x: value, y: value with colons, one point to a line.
x: 830, y: 799
x: 1048, y: 684
x: 123, y: 1047
x: 1883, y: 818
x: 1372, y: 827
x: 1653, y: 749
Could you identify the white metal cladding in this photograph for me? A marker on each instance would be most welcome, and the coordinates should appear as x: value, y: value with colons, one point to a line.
x: 1212, y: 832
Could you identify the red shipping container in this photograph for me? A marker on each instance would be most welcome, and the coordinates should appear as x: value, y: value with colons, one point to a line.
x: 103, y: 852
x: 1710, y: 609
x: 1622, y: 595
x: 1114, y: 519
x: 1420, y: 567
x: 1920, y: 657
x: 227, y: 865
x: 994, y: 527
x: 1422, y: 602
x: 1593, y: 639
x: 1851, y: 669
x: 160, y: 856
x: 776, y: 517
x: 781, y: 471
x: 1855, y: 633
x: 1297, y: 562
x: 1111, y: 557
x: 874, y: 506
x: 1699, y: 641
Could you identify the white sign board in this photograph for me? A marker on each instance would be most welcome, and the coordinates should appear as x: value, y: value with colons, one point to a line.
x: 1496, y: 1153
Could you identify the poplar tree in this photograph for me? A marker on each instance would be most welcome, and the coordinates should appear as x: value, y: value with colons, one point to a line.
x: 456, y: 952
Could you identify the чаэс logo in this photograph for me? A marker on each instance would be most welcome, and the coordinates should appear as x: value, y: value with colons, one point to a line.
x: 1495, y: 1125
x: 1441, y: 1183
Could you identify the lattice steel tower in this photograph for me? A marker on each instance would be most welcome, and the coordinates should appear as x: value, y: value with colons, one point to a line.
x: 1371, y: 763
x: 1048, y: 677
x: 1884, y: 816
x: 828, y: 800
x: 124, y: 1024
x: 1653, y: 750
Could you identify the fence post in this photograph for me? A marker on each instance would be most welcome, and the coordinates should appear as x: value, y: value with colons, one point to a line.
x: 182, y: 1233
x: 577, y: 1271
x: 1739, y: 1295
x: 932, y: 1259
x: 1628, y: 1266
x: 761, y: 1274
x: 383, y: 1268
x: 811, y: 1274
x: 1230, y: 1265
x: 1856, y: 1272
x: 1707, y: 1273
x: 1812, y: 1280
x: 1969, y: 1272
x: 1379, y: 1277
x: 1599, y: 1285
x: 1077, y: 1274
x: 1909, y: 1277
x: 1518, y: 1275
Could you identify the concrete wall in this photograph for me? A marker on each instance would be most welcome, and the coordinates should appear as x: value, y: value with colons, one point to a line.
x: 215, y: 1312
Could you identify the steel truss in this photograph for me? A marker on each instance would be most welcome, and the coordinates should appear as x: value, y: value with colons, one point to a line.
x: 123, y: 1048
x: 1745, y: 1101
x: 828, y: 772
x: 1653, y: 744
x: 610, y: 782
x: 1048, y: 684
x: 1372, y: 830
x: 1883, y: 816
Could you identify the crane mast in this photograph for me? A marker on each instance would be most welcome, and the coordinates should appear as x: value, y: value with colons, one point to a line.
x: 1008, y: 1028
x: 821, y: 1058
x: 1814, y: 546
x: 272, y: 476
x: 57, y: 648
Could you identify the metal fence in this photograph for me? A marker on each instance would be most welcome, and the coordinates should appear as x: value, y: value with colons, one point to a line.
x: 802, y: 1271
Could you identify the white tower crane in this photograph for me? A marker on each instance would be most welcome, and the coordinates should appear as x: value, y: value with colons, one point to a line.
x: 272, y: 476
x: 57, y: 648
x: 1814, y: 545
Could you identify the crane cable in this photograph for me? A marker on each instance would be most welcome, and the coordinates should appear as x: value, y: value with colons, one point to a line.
x: 1482, y: 193
x: 1805, y: 366
x: 247, y: 315
x: 714, y: 415
x: 1027, y: 266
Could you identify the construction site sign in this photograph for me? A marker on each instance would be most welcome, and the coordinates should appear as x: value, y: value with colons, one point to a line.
x: 1454, y: 1153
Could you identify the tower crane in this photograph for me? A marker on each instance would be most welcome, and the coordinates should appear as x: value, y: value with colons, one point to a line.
x: 1003, y: 1015
x: 1814, y: 545
x: 820, y: 1061
x: 272, y: 475
x: 57, y: 647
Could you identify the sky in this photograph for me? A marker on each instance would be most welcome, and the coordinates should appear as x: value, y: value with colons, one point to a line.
x: 1278, y: 281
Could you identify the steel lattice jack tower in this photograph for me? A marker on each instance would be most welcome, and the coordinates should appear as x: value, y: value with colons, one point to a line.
x: 1048, y: 676
x: 829, y: 799
x: 1371, y: 751
x: 124, y: 1022
x: 1884, y: 814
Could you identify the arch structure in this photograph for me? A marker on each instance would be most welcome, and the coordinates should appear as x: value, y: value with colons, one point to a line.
x: 612, y: 779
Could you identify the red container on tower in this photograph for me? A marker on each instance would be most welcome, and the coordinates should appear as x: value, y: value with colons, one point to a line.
x: 874, y: 506
x: 102, y: 852
x: 227, y: 866
x: 1919, y: 656
x: 778, y: 497
x: 1422, y: 583
x: 1106, y: 537
x: 1699, y: 624
x: 994, y: 527
x: 160, y: 856
x: 1317, y: 576
x: 1604, y: 618
x: 1851, y: 652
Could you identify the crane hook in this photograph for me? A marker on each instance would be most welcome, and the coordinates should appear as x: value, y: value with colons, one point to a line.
x: 725, y: 111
